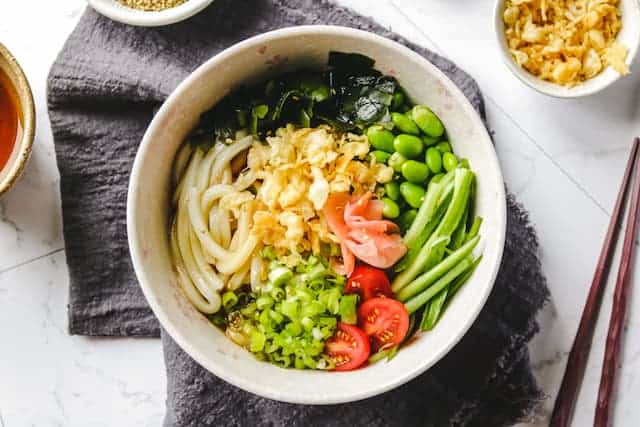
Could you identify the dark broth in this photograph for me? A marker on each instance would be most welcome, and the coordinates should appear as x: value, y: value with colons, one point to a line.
x: 10, y: 120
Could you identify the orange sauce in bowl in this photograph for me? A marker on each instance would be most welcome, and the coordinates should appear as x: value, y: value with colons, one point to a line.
x: 10, y: 119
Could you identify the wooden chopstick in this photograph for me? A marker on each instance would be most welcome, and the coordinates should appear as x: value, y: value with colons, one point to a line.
x: 618, y: 310
x: 577, y: 360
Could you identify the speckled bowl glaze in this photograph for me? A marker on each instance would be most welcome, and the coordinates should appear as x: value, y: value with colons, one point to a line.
x: 148, y: 210
x: 629, y: 36
x: 12, y: 170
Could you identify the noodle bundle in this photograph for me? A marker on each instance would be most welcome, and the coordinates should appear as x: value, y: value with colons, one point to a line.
x: 211, y: 244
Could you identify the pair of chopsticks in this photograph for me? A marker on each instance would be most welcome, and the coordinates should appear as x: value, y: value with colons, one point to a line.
x: 563, y: 409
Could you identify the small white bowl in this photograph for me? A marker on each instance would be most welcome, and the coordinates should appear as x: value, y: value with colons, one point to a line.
x: 149, y: 194
x: 629, y: 36
x: 121, y: 13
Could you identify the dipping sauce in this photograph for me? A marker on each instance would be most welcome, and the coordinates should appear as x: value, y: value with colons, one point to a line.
x: 10, y: 119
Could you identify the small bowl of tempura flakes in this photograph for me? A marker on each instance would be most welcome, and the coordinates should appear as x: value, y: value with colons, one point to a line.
x: 568, y: 48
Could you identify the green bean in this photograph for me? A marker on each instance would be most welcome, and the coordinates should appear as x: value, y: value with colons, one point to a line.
x: 390, y: 208
x: 415, y: 172
x: 433, y: 310
x: 446, y: 226
x: 449, y: 161
x: 427, y: 121
x: 475, y: 227
x: 380, y: 156
x: 464, y: 163
x: 433, y: 158
x: 380, y: 138
x: 392, y: 190
x: 398, y: 100
x: 412, y: 193
x: 444, y: 147
x: 429, y: 292
x: 424, y: 280
x: 427, y: 210
x: 406, y: 219
x: 396, y: 160
x: 462, y: 279
x: 409, y: 146
x: 404, y: 124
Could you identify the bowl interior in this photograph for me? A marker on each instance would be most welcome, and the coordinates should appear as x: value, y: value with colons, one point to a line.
x: 259, y: 57
x: 10, y: 172
x: 629, y: 37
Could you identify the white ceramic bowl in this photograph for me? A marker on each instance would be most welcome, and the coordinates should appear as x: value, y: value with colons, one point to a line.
x: 629, y: 36
x: 118, y: 12
x: 148, y: 203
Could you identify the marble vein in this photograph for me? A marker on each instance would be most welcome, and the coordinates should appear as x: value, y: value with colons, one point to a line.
x: 557, y: 357
x: 4, y: 217
x: 30, y: 260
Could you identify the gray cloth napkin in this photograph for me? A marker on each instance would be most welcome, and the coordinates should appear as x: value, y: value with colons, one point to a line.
x: 102, y: 92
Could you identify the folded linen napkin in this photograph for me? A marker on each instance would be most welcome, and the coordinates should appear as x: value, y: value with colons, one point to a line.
x: 102, y: 92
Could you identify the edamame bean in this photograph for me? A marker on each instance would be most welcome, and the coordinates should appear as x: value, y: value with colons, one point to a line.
x: 427, y: 121
x: 449, y: 161
x: 415, y: 172
x: 433, y: 158
x: 436, y: 178
x: 409, y: 146
x: 380, y: 138
x: 398, y: 100
x: 406, y: 219
x: 392, y: 190
x: 390, y: 208
x: 429, y: 140
x: 396, y: 160
x: 444, y: 147
x: 412, y: 193
x: 380, y: 156
x: 404, y: 123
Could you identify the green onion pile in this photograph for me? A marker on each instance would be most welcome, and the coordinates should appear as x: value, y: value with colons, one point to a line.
x: 288, y: 321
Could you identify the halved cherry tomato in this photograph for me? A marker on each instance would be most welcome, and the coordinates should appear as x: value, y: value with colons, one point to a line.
x: 385, y: 321
x: 349, y: 347
x: 368, y: 282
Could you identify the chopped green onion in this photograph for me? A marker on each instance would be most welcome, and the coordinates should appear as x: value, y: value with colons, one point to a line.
x: 229, y: 299
x: 257, y: 340
x: 347, y: 310
x: 278, y: 276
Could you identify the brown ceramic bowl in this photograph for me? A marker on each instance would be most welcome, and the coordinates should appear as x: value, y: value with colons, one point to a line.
x: 11, y: 171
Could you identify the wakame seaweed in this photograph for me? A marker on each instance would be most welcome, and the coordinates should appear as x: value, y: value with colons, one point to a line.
x: 349, y: 95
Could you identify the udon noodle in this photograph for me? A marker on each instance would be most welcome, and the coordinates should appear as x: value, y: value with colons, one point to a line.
x: 211, y: 244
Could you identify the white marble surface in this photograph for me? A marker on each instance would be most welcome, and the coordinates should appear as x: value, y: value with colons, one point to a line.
x: 563, y: 159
